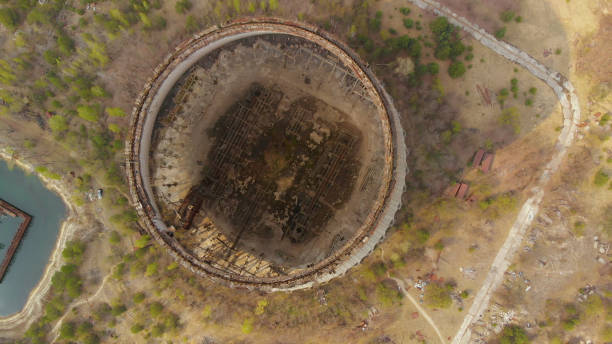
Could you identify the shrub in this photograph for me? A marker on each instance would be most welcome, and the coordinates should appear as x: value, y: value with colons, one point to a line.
x: 65, y: 44
x: 143, y: 241
x: 437, y: 296
x: 506, y: 16
x: 73, y: 253
x: 58, y: 124
x: 533, y: 90
x: 376, y: 22
x: 191, y: 24
x: 183, y: 6
x: 115, y: 112
x: 511, y: 117
x: 136, y: 328
x: 422, y: 235
x: 114, y: 238
x: 7, y: 74
x: 404, y: 10
x: 9, y: 17
x: 261, y: 307
x: 593, y: 305
x: 513, y: 334
x: 118, y: 309
x: 157, y: 330
x: 456, y: 69
x: 273, y: 5
x: 138, y: 297
x: 433, y: 68
x: 155, y: 309
x: 151, y: 269
x: 89, y: 113
x: 387, y: 295
x: 408, y: 23
x: 604, y: 119
x: 500, y: 33
x: 606, y: 334
x: 247, y: 326
x: 52, y: 57
x: 601, y: 178
x: 67, y: 330
x: 83, y: 329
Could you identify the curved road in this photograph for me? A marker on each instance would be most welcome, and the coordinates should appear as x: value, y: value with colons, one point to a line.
x: 565, y: 91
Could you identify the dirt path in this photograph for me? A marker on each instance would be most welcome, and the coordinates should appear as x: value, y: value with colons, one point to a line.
x: 401, y: 285
x: 571, y: 116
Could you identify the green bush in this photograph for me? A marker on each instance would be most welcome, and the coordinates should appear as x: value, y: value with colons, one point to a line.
x: 604, y: 119
x: 437, y: 296
x: 456, y: 69
x: 65, y: 44
x: 247, y: 326
x: 506, y: 16
x: 73, y: 252
x: 67, y: 330
x: 157, y: 330
x: 118, y: 309
x: 500, y: 33
x: 433, y: 68
x: 139, y: 297
x: 273, y: 5
x: 513, y: 334
x: 143, y: 241
x: 408, y: 23
x: 404, y: 10
x: 151, y: 269
x: 9, y: 18
x: 376, y: 22
x: 67, y: 280
x: 601, y: 178
x: 422, y: 235
x: 511, y: 117
x: 183, y: 6
x: 89, y: 113
x: 155, y: 309
x: 52, y: 57
x: 136, y: 328
x: 606, y: 334
x: 386, y: 295
x: 58, y: 124
x: 115, y: 112
x: 114, y: 238
x: 7, y: 73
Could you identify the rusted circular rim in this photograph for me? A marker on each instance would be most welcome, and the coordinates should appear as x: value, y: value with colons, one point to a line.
x: 142, y: 120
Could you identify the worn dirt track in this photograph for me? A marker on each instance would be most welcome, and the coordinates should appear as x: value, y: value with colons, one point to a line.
x: 568, y: 99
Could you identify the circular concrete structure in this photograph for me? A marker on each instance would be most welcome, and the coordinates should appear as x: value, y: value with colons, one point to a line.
x: 366, y: 126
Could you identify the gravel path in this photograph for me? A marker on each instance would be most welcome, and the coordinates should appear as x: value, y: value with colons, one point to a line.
x: 565, y: 91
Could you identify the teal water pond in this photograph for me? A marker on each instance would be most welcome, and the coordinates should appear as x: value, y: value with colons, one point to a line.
x: 48, y: 211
